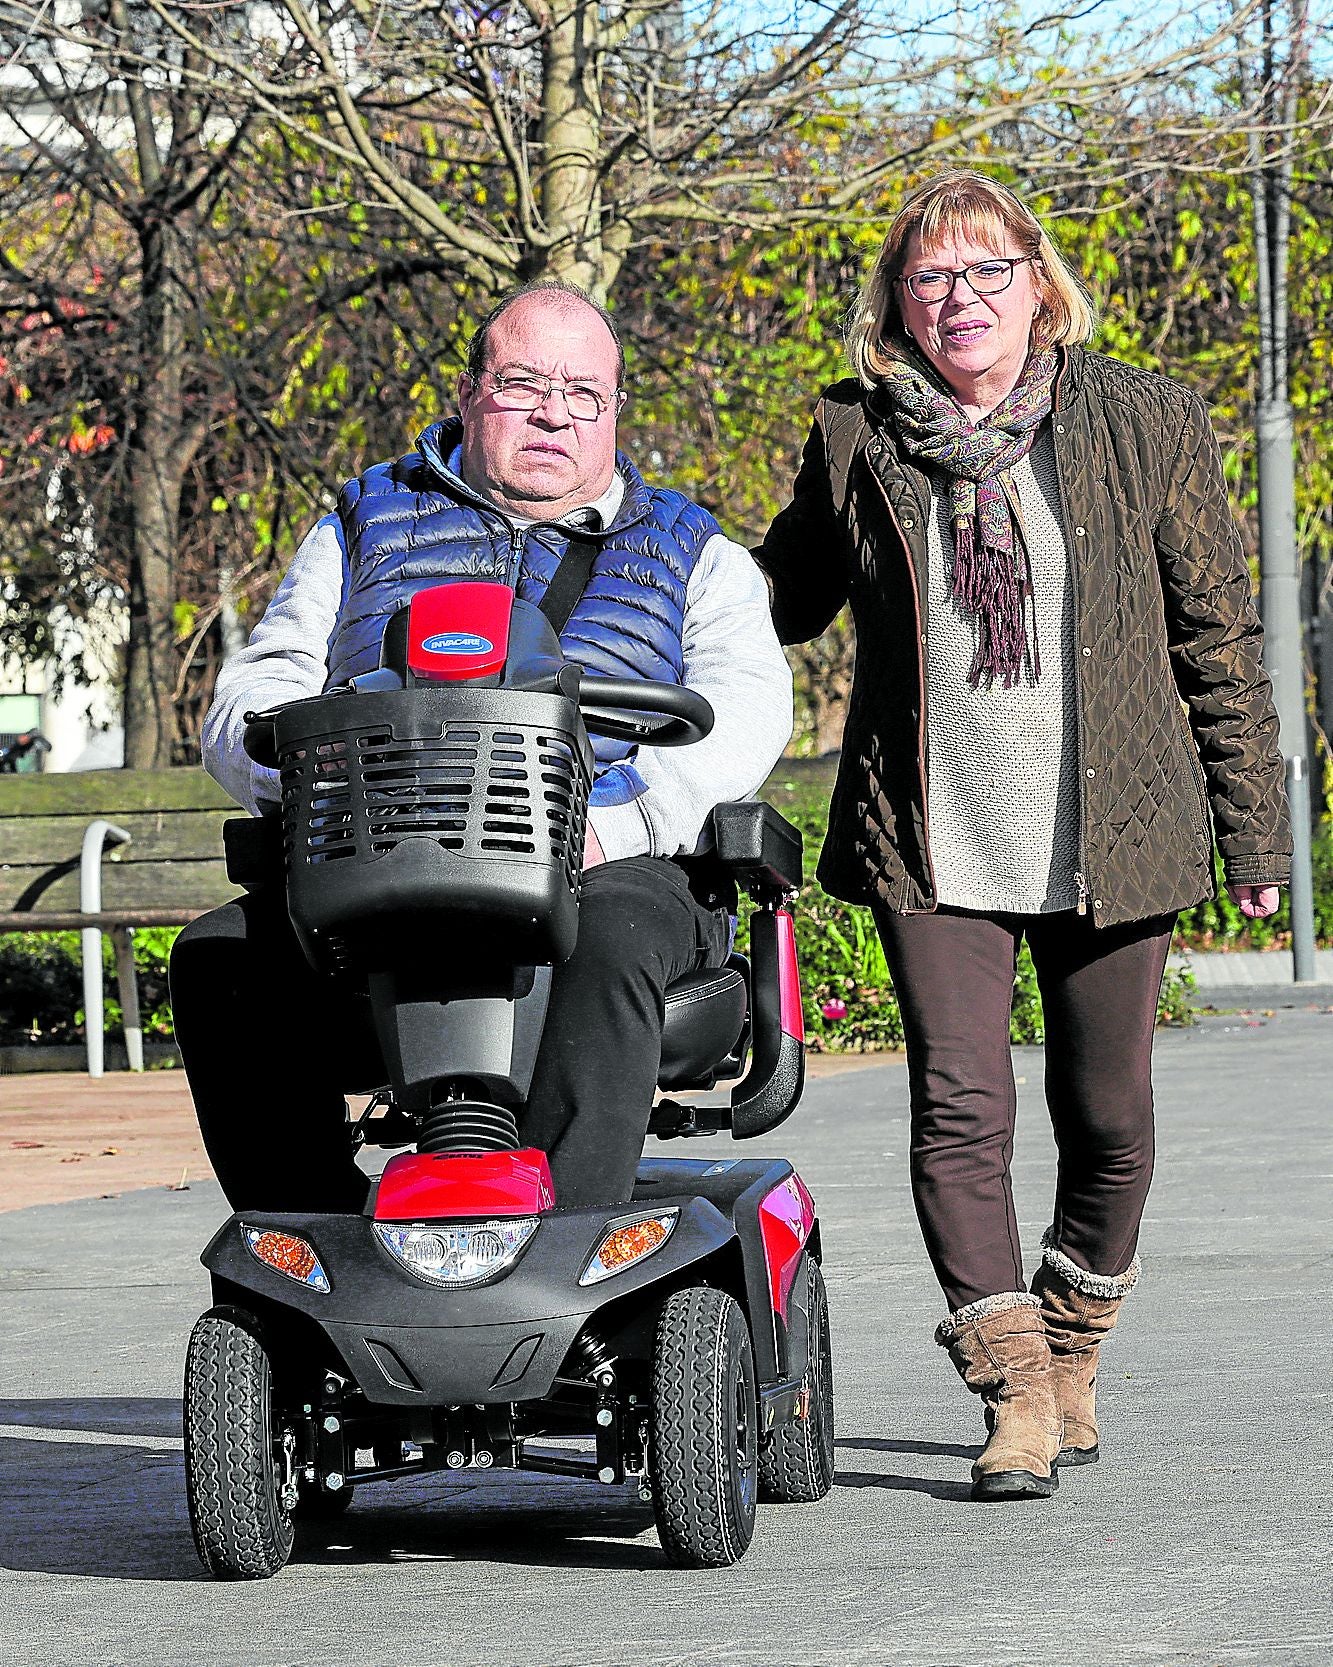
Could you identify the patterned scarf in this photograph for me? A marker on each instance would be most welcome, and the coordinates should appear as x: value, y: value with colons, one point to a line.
x: 992, y: 576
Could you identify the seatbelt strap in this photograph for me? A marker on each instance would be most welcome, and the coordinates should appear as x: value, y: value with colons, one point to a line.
x: 568, y: 582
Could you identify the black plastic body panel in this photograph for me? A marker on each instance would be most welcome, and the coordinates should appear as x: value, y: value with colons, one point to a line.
x: 505, y: 1342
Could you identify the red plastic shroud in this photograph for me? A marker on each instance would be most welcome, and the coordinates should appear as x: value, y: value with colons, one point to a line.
x: 446, y: 1186
x: 790, y: 1012
x: 459, y: 632
x: 786, y: 1216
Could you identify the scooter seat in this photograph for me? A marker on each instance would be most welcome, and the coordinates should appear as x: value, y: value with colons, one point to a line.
x: 705, y: 1016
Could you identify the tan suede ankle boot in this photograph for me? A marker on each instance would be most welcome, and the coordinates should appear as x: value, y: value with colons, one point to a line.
x: 999, y: 1347
x: 1078, y: 1309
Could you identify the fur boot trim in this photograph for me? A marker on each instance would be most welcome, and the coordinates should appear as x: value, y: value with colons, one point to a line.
x: 1108, y: 1286
x: 948, y: 1330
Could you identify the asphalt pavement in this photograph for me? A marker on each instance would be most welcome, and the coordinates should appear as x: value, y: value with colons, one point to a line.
x: 1202, y: 1539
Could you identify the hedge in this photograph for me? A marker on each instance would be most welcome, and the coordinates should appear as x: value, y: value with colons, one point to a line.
x: 41, y: 986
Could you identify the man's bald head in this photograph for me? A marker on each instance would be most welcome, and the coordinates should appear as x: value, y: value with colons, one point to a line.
x: 560, y: 297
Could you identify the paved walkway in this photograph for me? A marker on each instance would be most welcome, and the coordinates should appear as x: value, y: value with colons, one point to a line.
x: 1202, y: 1539
x: 1257, y: 980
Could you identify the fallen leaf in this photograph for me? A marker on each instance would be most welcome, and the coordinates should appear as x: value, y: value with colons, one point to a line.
x: 27, y: 1145
x: 110, y: 1151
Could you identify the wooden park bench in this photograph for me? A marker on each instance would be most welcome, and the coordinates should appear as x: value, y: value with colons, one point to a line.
x: 107, y: 851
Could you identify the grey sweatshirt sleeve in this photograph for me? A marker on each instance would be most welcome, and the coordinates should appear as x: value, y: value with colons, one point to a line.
x: 285, y: 659
x: 732, y: 657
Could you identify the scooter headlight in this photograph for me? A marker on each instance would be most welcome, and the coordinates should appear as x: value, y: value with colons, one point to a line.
x: 458, y: 1254
x: 627, y: 1242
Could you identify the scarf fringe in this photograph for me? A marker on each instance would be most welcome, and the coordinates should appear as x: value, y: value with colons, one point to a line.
x: 989, y: 585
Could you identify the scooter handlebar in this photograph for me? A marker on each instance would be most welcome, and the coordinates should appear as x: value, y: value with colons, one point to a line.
x: 260, y: 736
x: 621, y: 708
x: 649, y: 714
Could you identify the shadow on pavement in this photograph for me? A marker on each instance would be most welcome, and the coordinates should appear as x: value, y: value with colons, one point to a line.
x: 937, y: 1489
x: 110, y: 1508
x: 127, y: 1415
x: 442, y: 1530
x: 116, y: 1509
x: 933, y: 1449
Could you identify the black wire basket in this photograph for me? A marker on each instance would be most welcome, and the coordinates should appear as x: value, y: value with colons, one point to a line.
x: 444, y: 822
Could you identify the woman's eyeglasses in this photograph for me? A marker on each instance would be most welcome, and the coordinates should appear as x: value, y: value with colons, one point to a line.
x: 984, y: 277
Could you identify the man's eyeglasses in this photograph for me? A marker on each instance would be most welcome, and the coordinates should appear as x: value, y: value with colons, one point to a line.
x: 526, y: 391
x: 984, y: 277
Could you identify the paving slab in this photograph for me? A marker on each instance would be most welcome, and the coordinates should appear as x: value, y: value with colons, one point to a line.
x: 1202, y: 1539
x: 1240, y: 968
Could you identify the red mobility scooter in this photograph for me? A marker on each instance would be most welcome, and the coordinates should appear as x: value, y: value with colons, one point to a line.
x: 465, y: 1319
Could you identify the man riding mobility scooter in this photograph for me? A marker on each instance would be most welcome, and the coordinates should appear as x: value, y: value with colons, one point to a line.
x: 432, y: 828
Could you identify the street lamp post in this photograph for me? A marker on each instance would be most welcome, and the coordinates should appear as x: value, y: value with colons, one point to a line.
x: 1279, y: 553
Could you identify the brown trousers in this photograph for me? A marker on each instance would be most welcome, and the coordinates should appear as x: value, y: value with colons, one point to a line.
x: 954, y: 976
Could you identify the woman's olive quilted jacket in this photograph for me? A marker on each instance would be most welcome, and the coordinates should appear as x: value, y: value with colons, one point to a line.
x: 1163, y: 615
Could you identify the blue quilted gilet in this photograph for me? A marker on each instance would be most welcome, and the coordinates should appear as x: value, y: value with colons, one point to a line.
x: 408, y: 524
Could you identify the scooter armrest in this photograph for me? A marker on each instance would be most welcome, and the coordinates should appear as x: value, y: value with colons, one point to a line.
x: 252, y: 846
x: 758, y: 848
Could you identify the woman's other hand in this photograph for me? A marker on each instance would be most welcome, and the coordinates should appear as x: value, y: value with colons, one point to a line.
x: 1254, y: 902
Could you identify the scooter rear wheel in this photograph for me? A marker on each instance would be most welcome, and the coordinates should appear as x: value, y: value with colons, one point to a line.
x: 797, y: 1466
x: 242, y: 1531
x: 704, y: 1452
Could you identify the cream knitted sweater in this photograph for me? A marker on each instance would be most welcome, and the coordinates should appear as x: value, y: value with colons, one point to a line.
x: 1002, y: 764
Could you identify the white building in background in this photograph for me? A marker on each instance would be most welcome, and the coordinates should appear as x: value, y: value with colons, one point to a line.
x: 82, y: 721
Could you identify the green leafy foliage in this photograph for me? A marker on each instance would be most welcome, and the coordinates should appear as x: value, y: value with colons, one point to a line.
x: 41, y: 986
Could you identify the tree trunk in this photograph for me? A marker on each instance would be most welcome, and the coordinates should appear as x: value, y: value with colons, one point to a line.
x: 823, y: 673
x: 161, y: 445
x: 571, y: 130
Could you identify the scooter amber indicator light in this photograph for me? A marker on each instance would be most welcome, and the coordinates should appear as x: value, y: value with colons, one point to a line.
x: 287, y: 1254
x: 628, y: 1242
x: 458, y: 1254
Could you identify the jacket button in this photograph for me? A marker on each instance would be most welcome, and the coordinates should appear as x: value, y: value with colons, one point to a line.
x: 1096, y: 902
x: 1090, y: 772
x: 1059, y: 428
x: 1087, y: 653
x: 1080, y: 532
x: 908, y: 525
x: 923, y: 636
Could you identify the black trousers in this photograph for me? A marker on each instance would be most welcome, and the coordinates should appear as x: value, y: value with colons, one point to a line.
x: 270, y: 1047
x: 954, y: 976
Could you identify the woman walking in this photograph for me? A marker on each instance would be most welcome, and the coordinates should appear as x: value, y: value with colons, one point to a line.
x: 1058, y: 677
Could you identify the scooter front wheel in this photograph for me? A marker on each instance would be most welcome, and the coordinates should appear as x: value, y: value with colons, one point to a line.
x: 233, y: 1466
x: 704, y: 1452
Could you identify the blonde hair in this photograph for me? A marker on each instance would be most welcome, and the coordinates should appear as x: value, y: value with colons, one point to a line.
x: 961, y: 203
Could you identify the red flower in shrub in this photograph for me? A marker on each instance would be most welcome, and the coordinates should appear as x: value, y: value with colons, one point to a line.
x: 834, y: 1009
